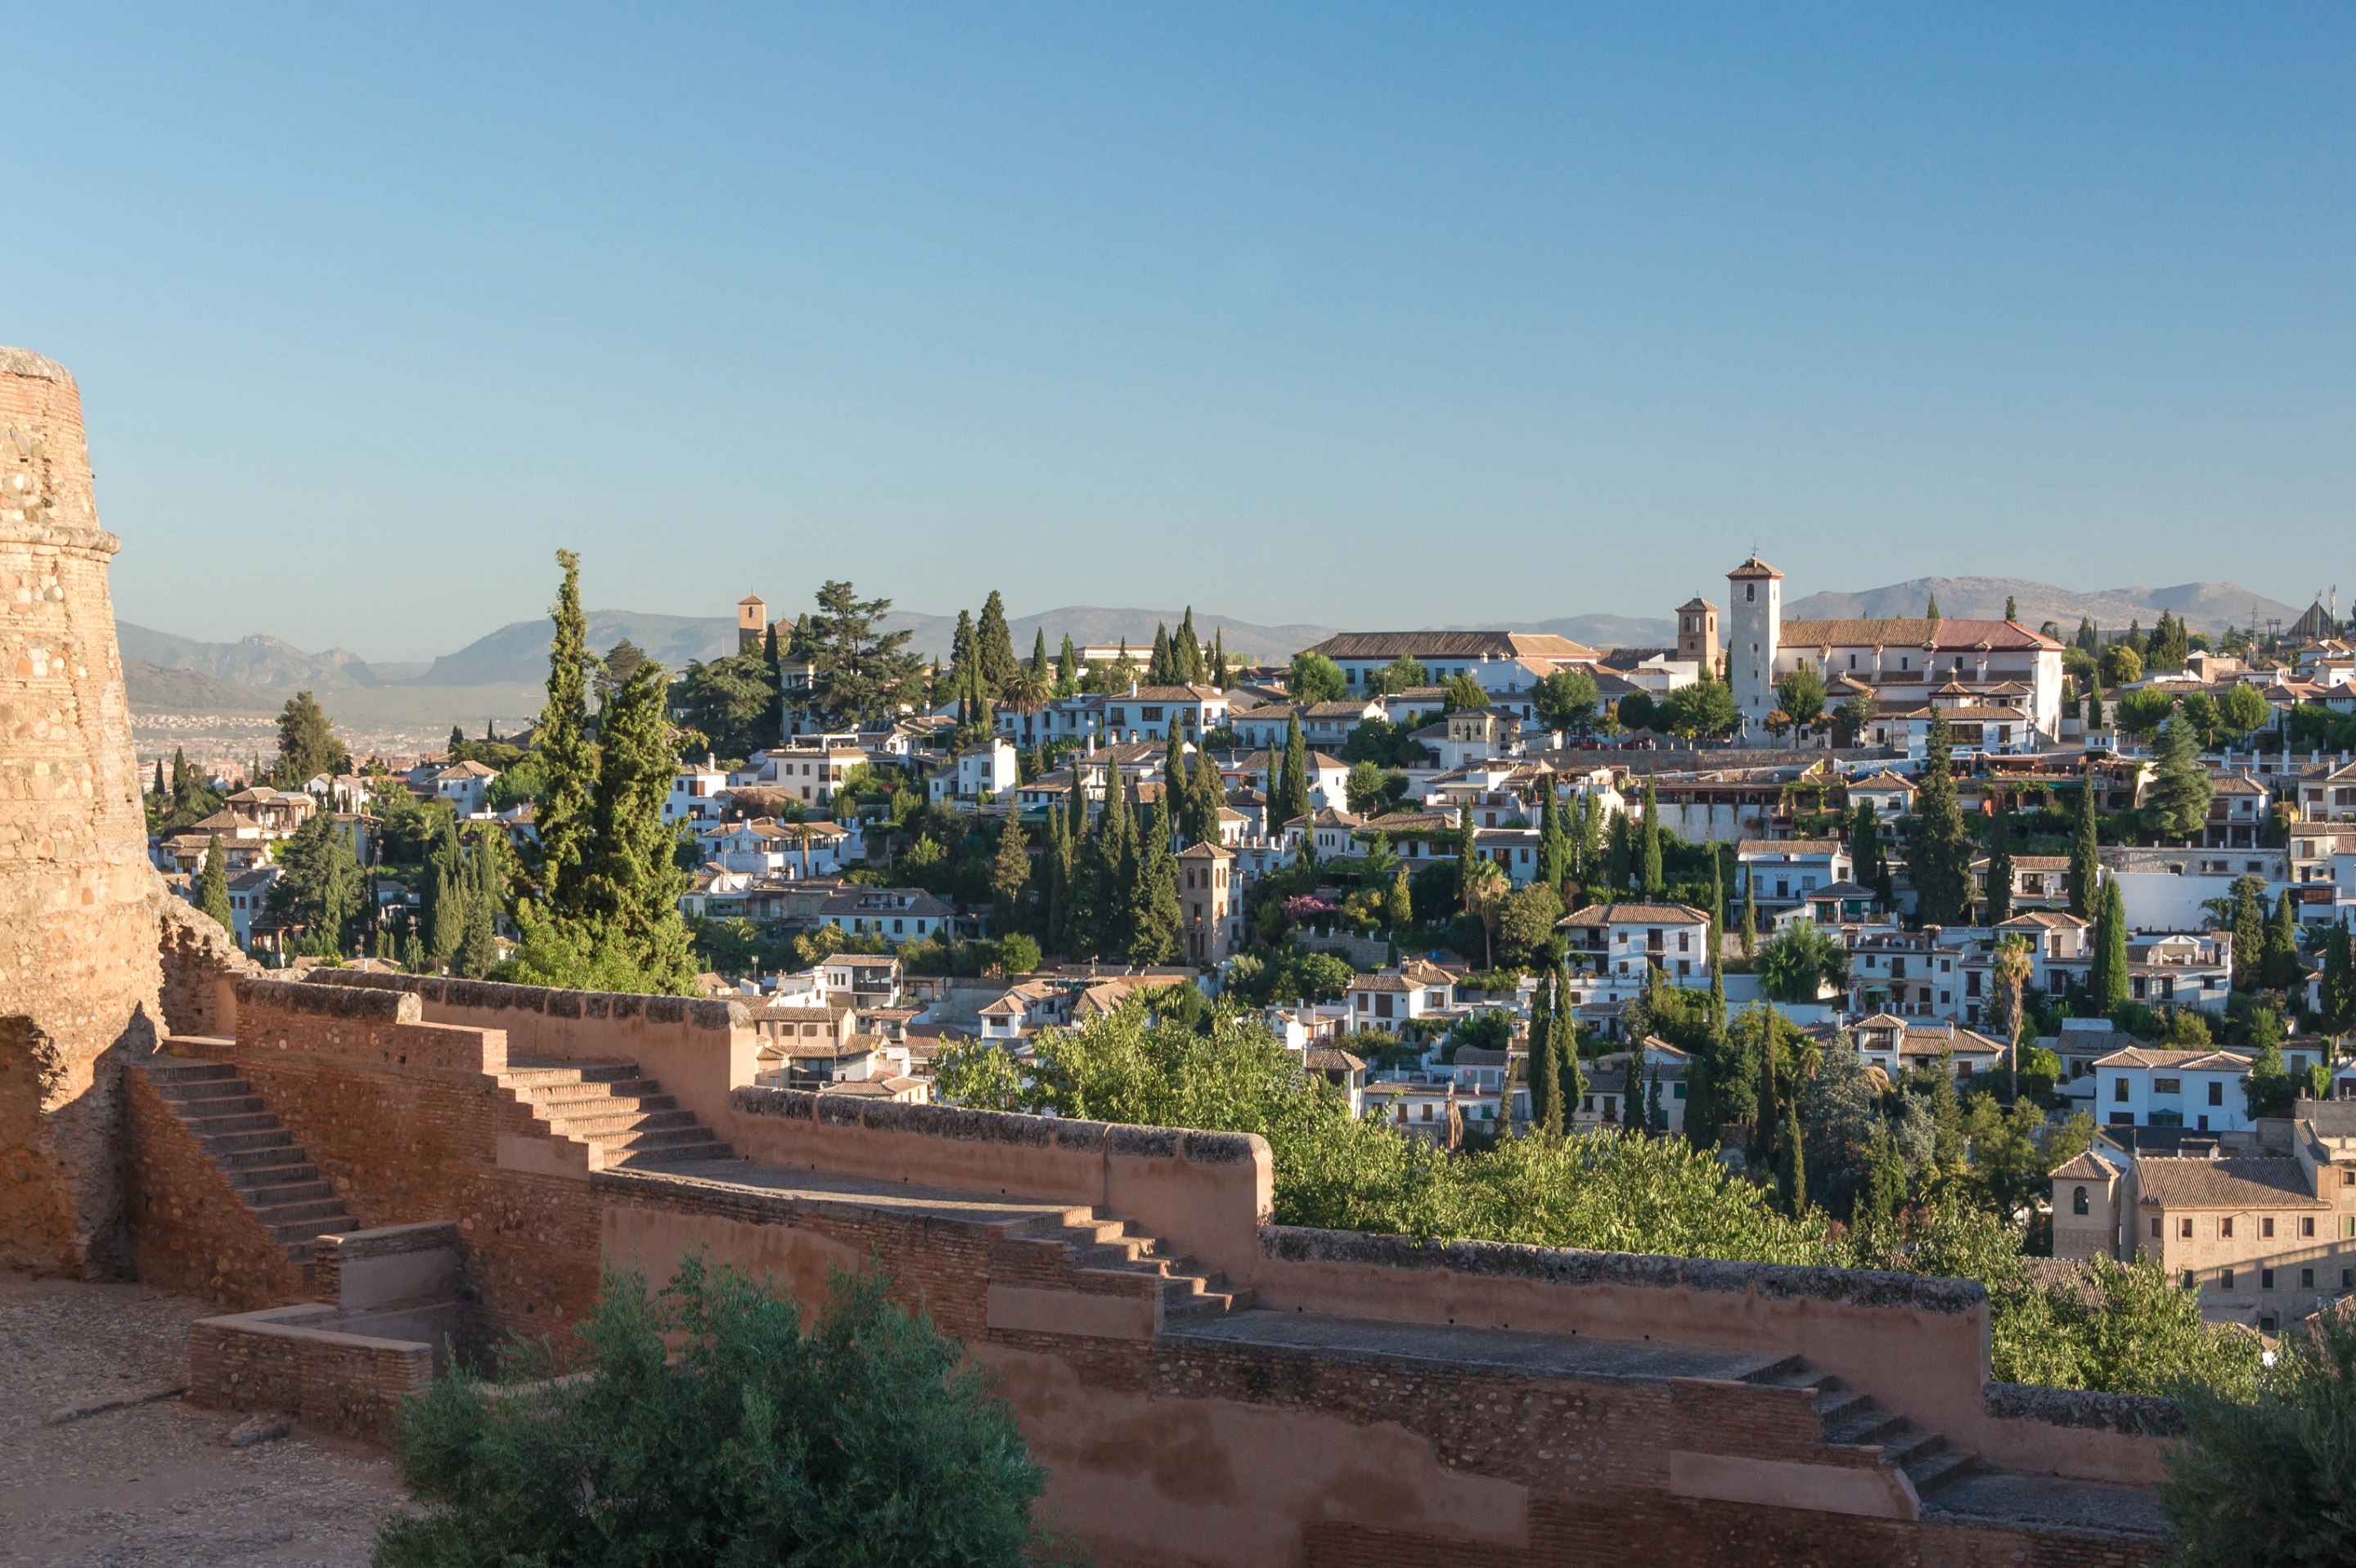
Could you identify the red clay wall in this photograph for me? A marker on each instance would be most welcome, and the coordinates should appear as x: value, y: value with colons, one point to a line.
x: 188, y: 1227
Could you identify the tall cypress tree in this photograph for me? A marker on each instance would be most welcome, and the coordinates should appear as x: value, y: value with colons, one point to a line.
x: 1177, y: 786
x: 631, y: 891
x: 1187, y: 652
x: 1554, y: 845
x: 1218, y: 671
x: 1750, y: 913
x: 1294, y: 801
x: 994, y: 649
x: 1716, y: 907
x: 1039, y: 666
x: 1791, y: 1169
x: 2178, y: 801
x: 1654, y: 882
x: 212, y: 896
x: 2106, y: 974
x: 2283, y: 970
x: 1616, y: 857
x: 568, y: 763
x: 775, y: 660
x: 1067, y: 669
x: 2085, y: 861
x: 1210, y: 791
x: 2339, y: 990
x: 1590, y: 839
x: 1940, y: 854
x: 1999, y: 871
x: 2249, y: 935
x: 1542, y: 1005
x: 1866, y: 850
x: 1157, y: 667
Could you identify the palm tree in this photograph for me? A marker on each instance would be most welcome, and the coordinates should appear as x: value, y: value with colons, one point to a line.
x: 2011, y: 976
x: 1485, y: 887
x: 802, y: 834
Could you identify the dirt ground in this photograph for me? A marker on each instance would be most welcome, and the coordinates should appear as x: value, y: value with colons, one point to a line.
x: 155, y: 1485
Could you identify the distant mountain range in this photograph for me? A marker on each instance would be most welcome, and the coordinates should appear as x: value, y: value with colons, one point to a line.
x: 167, y: 671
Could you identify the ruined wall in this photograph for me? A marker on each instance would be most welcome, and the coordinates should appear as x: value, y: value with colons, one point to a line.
x: 187, y: 1229
x: 77, y: 967
x: 200, y: 964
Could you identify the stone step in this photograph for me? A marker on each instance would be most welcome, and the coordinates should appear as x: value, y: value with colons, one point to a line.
x: 1870, y: 1427
x: 539, y: 1075
x: 165, y: 1071
x: 297, y: 1191
x: 715, y: 1149
x: 246, y: 1151
x: 293, y: 1168
x: 244, y: 1122
x: 1837, y: 1406
x: 1935, y: 1470
x: 657, y: 1137
x: 300, y: 1209
x: 204, y: 1089
x: 1773, y: 1372
x: 1196, y: 1307
x: 576, y: 1094
x: 243, y: 1102
x: 1910, y: 1444
x: 580, y: 1125
x: 300, y: 1233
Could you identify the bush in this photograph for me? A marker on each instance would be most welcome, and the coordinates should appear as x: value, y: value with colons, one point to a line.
x: 2270, y: 1481
x: 871, y: 1439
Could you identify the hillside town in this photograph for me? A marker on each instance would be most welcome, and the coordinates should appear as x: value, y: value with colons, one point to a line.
x: 2091, y: 885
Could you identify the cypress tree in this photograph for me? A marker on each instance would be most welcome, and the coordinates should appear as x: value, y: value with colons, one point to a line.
x: 1067, y: 668
x: 1871, y: 857
x: 1999, y: 871
x: 1656, y: 1119
x: 181, y: 772
x: 1767, y: 1122
x: 2085, y: 862
x: 1654, y: 882
x: 158, y: 790
x: 446, y: 912
x: 1940, y: 855
x: 1295, y: 800
x: 2339, y: 997
x: 1542, y: 1082
x: 964, y: 657
x: 633, y: 882
x: 1930, y: 612
x: 1218, y: 672
x: 1010, y: 873
x: 1616, y: 857
x: 1590, y: 839
x: 568, y: 763
x: 1187, y: 652
x: 1157, y: 667
x: 1716, y: 907
x: 2011, y: 610
x: 1791, y: 1169
x: 1039, y: 658
x: 478, y: 945
x: 2106, y: 977
x: 2249, y: 935
x: 1554, y: 845
x: 2181, y: 791
x: 2283, y: 970
x: 994, y: 649
x: 1750, y: 913
x: 1547, y: 1084
x: 1050, y: 883
x: 212, y: 895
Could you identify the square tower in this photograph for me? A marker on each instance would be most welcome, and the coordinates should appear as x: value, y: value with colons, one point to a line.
x: 1697, y: 634
x: 1754, y: 618
x: 752, y: 624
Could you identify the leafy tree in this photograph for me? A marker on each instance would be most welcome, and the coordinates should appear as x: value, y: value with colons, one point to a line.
x: 2011, y: 609
x: 2123, y: 1329
x: 978, y: 1075
x: 1637, y: 710
x: 1315, y: 679
x: 2121, y: 665
x: 1840, y: 1116
x: 1565, y: 701
x: 1067, y: 668
x: 1853, y: 719
x: 1801, y: 695
x: 1403, y: 673
x: 212, y: 895
x: 621, y: 662
x: 1462, y: 692
x: 708, y: 1427
x: 308, y: 746
x: 2242, y: 708
x: 567, y: 758
x: 862, y: 673
x: 1365, y: 788
x: 1867, y: 852
x: 1526, y: 920
x: 2085, y: 861
x: 1794, y: 967
x: 1705, y: 707
x: 731, y: 700
x: 1156, y: 926
x: 2266, y: 1480
x: 1939, y: 846
x: 1554, y: 853
x: 1930, y: 611
x: 2177, y: 802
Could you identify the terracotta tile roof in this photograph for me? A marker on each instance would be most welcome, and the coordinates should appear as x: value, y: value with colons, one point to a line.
x: 1947, y: 636
x: 2245, y: 1181
x: 1422, y: 645
x: 2087, y: 1167
x: 2182, y: 1060
x: 1790, y: 847
x: 1635, y: 915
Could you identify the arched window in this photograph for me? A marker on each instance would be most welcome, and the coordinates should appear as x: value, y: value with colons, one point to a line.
x: 2078, y: 1201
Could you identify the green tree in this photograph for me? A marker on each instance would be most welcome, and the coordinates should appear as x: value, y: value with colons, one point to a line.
x: 1398, y: 904
x: 1999, y: 867
x: 708, y: 1427
x: 629, y: 900
x: 1868, y: 854
x: 1794, y: 967
x: 1704, y: 707
x: 2106, y: 974
x: 732, y: 701
x: 1462, y: 692
x: 2337, y: 1010
x: 568, y: 760
x: 1939, y: 845
x: 1289, y: 800
x: 1315, y: 679
x: 308, y: 746
x: 212, y: 896
x: 2242, y: 708
x: 994, y: 646
x: 1930, y: 611
x: 1156, y: 926
x: 1553, y: 844
x: 2266, y: 1480
x: 1009, y: 872
x: 1801, y: 694
x: 2121, y: 665
x: 1565, y: 701
x: 1067, y: 669
x: 2282, y: 971
x: 2178, y: 801
x: 1651, y: 879
x: 1638, y: 711
x: 1367, y: 788
x: 2011, y: 609
x: 861, y: 672
x: 2085, y: 862
x: 2249, y: 934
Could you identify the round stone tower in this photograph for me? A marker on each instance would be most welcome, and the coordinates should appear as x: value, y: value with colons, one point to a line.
x: 77, y: 899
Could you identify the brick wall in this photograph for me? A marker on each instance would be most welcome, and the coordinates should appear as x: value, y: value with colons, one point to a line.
x: 293, y: 1360
x: 189, y: 1231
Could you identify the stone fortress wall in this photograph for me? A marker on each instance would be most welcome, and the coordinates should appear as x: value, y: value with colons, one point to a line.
x: 79, y: 902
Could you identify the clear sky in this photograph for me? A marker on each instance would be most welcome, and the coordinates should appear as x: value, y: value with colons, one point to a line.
x: 1368, y: 315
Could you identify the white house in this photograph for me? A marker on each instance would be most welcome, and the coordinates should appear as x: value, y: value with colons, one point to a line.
x: 1415, y: 992
x: 2143, y: 1086
x: 1445, y: 655
x: 896, y: 914
x: 987, y: 768
x: 1614, y: 947
x: 808, y: 769
x: 697, y: 793
x: 1781, y: 872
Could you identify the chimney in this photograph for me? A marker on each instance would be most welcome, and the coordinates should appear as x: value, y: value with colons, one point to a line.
x: 1132, y: 685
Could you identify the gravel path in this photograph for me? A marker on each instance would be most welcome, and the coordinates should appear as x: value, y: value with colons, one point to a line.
x: 155, y: 1484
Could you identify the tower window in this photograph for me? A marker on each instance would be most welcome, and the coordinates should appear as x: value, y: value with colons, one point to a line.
x: 1750, y: 593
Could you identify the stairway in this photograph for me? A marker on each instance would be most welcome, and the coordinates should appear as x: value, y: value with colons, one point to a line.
x: 1850, y: 1418
x: 255, y: 1154
x: 622, y: 1119
x: 1190, y: 1290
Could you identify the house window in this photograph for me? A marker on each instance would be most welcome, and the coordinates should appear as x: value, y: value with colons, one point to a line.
x: 2184, y: 1229
x: 2266, y: 1227
x: 2224, y: 1279
x: 2307, y: 1225
x: 2168, y: 1085
x: 2216, y: 1093
x: 2155, y: 1230
x: 2192, y: 1281
x: 2078, y: 1204
x: 2265, y: 1279
x: 2226, y: 1228
x: 2307, y: 1279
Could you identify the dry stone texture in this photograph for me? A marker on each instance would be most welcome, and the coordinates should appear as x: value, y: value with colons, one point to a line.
x: 77, y: 899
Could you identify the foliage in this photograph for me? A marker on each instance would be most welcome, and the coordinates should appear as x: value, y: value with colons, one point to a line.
x: 1801, y: 694
x: 523, y: 782
x: 862, y: 672
x: 1705, y: 707
x: 1387, y: 745
x: 2177, y: 802
x: 978, y: 1075
x: 212, y: 886
x: 731, y: 700
x: 2121, y: 1327
x: 1462, y: 692
x: 568, y: 760
x: 319, y: 885
x: 1315, y: 679
x: 1403, y: 673
x: 308, y: 746
x: 1799, y: 961
x: 1939, y: 845
x: 709, y: 1428
x: 1636, y: 710
x: 1565, y: 701
x: 2269, y: 1482
x: 1293, y: 974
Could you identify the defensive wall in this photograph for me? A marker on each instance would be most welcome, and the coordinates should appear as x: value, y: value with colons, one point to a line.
x: 1382, y: 1400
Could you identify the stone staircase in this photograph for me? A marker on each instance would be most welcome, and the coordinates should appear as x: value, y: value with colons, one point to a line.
x: 623, y: 1120
x: 1848, y: 1417
x: 1190, y: 1290
x: 255, y: 1154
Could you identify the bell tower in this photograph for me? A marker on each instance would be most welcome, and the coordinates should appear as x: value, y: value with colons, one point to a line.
x: 752, y: 624
x: 1697, y: 634
x: 1754, y: 620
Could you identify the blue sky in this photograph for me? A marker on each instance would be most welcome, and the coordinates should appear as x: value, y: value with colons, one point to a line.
x: 1370, y: 315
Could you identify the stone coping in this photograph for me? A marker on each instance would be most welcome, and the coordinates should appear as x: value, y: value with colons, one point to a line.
x: 1060, y: 1133
x: 306, y: 1323
x: 2137, y: 1414
x: 1577, y: 1266
x: 696, y: 1012
x: 327, y: 1001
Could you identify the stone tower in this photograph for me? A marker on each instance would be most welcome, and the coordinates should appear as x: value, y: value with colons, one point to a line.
x: 1697, y: 634
x: 79, y: 902
x: 752, y: 624
x: 1754, y: 620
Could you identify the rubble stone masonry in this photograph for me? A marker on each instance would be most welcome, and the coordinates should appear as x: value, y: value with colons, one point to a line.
x: 77, y: 899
